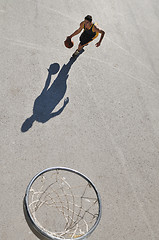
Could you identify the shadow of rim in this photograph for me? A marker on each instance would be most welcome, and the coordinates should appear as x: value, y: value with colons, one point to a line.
x: 38, y: 233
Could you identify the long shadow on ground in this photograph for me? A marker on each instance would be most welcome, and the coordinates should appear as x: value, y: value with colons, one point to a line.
x: 50, y: 97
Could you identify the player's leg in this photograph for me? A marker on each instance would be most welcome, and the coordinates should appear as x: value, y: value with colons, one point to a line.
x: 84, y: 40
x: 76, y: 53
x: 80, y: 47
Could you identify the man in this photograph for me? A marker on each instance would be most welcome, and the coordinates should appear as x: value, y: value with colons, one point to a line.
x: 91, y: 31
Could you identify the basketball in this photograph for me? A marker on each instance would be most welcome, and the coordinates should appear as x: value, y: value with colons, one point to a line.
x: 68, y: 43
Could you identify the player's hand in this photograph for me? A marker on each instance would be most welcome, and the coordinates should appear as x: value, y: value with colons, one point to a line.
x: 98, y: 44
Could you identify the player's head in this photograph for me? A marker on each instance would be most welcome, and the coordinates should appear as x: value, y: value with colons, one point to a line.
x: 88, y: 18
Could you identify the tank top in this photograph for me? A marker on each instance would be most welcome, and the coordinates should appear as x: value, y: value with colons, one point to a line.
x: 89, y: 31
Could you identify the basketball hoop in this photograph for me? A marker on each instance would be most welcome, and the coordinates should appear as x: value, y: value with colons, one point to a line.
x: 61, y: 203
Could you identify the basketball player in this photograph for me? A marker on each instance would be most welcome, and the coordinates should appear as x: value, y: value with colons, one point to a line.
x: 91, y: 31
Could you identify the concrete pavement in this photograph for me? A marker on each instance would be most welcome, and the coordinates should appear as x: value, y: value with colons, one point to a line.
x: 109, y: 130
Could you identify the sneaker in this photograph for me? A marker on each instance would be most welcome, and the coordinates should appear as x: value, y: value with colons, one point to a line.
x: 75, y: 54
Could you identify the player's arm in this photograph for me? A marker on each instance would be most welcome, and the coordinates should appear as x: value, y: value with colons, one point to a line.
x: 78, y: 30
x: 99, y: 30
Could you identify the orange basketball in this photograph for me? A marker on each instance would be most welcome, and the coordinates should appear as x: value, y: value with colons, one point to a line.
x: 68, y: 43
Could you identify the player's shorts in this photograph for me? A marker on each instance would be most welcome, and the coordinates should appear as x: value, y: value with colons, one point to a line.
x: 85, y: 38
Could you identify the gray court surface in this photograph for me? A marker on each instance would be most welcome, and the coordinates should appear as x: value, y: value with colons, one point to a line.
x: 109, y: 130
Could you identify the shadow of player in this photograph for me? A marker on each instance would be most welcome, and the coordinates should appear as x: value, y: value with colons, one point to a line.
x: 50, y: 97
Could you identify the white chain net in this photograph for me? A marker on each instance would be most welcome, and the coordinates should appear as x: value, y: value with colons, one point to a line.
x: 63, y: 204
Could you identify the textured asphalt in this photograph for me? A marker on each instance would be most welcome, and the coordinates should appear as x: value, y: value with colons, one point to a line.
x: 109, y: 129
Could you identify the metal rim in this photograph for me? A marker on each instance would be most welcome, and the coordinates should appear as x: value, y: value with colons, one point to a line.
x: 30, y: 220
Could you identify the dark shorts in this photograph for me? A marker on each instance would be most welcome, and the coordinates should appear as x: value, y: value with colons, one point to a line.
x: 85, y: 38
